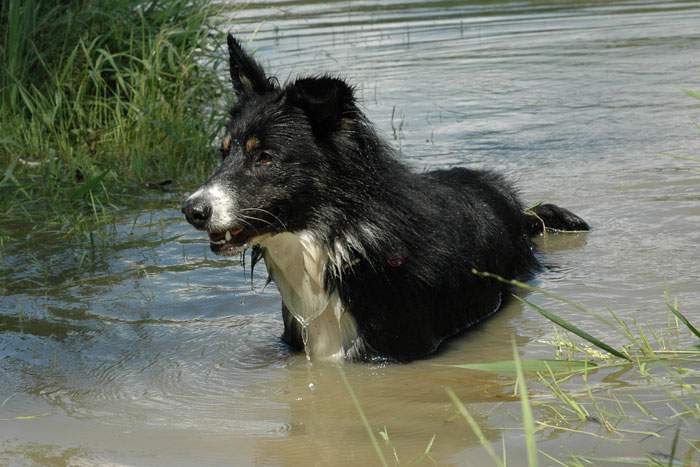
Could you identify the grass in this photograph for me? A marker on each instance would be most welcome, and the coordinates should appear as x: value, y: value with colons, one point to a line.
x: 363, y: 417
x: 581, y: 394
x: 569, y: 401
x: 101, y: 101
x: 528, y: 419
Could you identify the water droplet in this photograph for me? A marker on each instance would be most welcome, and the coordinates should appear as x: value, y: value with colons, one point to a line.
x: 312, y: 386
x: 305, y: 339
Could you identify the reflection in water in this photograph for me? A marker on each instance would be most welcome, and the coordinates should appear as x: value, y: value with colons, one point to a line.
x: 38, y: 327
x: 149, y: 350
x: 323, y: 420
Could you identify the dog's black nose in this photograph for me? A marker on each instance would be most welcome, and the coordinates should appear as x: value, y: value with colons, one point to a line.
x: 197, y: 211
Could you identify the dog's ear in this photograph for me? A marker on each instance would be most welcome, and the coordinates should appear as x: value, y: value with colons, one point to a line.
x: 247, y: 76
x: 325, y: 100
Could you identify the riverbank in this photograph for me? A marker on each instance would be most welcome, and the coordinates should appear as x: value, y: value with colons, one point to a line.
x: 101, y: 101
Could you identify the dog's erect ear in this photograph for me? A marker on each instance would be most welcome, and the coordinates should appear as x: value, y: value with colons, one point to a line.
x: 247, y: 76
x: 325, y: 101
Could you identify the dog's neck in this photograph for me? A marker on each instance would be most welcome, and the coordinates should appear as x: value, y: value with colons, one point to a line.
x: 297, y: 262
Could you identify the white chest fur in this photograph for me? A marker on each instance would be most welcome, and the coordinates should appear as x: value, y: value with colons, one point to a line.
x: 296, y: 262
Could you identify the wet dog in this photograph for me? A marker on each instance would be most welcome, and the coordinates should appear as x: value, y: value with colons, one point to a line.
x: 372, y: 260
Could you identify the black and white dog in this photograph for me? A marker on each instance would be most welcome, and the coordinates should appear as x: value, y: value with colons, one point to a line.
x: 371, y: 259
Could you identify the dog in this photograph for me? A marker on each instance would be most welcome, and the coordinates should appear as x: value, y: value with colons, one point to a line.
x: 372, y: 260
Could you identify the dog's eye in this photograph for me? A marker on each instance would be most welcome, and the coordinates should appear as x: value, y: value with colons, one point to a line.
x: 263, y: 159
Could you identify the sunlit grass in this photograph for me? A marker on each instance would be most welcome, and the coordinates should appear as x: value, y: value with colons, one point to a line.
x: 569, y: 400
x: 101, y: 102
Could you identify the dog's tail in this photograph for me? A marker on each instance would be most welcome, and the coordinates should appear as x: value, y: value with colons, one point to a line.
x: 551, y: 217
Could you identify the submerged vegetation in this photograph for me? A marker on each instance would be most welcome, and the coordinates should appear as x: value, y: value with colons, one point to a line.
x: 100, y: 100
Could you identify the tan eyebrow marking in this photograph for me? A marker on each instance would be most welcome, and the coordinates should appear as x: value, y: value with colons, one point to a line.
x: 251, y: 143
x: 226, y: 143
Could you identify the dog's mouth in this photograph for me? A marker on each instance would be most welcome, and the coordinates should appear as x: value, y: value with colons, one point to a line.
x: 229, y: 241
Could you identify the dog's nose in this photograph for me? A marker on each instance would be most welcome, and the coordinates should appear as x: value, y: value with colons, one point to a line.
x: 197, y: 212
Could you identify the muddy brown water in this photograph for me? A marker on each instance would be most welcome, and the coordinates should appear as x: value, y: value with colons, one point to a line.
x: 148, y: 350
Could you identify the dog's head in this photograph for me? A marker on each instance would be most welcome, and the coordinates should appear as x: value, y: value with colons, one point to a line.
x: 277, y: 162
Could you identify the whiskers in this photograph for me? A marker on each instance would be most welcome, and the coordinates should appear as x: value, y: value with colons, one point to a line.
x: 246, y: 217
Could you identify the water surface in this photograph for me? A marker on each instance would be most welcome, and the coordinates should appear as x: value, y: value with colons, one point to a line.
x: 148, y: 350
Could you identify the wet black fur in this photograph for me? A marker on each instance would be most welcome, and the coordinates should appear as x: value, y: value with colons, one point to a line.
x: 321, y: 167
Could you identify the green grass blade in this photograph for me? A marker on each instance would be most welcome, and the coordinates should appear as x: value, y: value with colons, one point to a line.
x: 528, y: 419
x: 8, y: 176
x: 674, y: 445
x: 429, y: 446
x: 553, y: 459
x: 363, y: 417
x: 574, y: 329
x: 546, y: 293
x: 475, y: 427
x: 674, y: 309
x: 623, y: 460
x: 692, y: 93
x: 528, y: 366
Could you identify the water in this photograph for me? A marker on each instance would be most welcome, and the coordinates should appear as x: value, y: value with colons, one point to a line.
x: 148, y: 350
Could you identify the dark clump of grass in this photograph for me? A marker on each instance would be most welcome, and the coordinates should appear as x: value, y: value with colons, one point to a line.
x: 101, y: 100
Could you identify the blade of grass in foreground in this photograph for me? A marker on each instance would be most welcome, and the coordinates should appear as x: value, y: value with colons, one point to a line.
x: 363, y: 417
x: 475, y: 427
x: 529, y: 366
x: 674, y: 309
x: 674, y: 445
x: 574, y: 329
x: 546, y: 293
x: 692, y: 93
x: 528, y: 419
